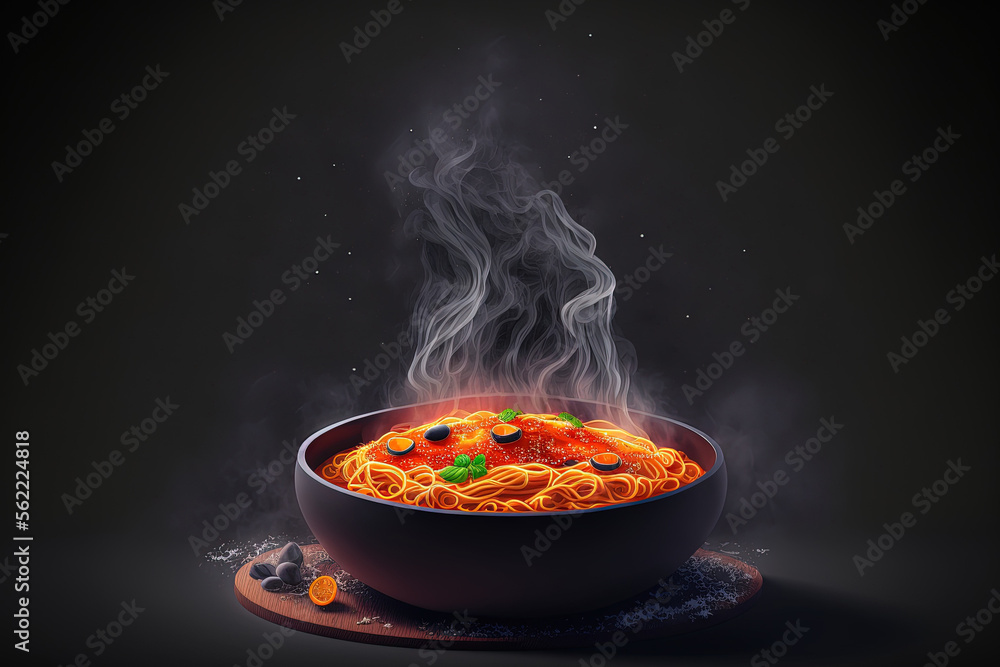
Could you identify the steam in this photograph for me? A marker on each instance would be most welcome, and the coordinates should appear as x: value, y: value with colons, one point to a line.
x: 514, y: 299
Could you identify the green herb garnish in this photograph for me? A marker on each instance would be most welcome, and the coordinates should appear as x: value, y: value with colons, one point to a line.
x: 454, y: 474
x: 508, y: 414
x: 464, y: 466
x: 478, y: 466
x: 565, y: 416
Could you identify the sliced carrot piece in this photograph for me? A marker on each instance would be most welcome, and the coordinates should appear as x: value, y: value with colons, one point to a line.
x: 399, y: 445
x: 323, y: 590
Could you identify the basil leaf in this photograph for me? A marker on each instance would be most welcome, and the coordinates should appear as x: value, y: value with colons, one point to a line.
x: 565, y: 416
x: 508, y: 414
x: 477, y: 470
x: 462, y: 460
x: 454, y: 474
x: 479, y: 460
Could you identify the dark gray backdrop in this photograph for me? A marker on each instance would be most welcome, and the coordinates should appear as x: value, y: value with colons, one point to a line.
x: 323, y: 176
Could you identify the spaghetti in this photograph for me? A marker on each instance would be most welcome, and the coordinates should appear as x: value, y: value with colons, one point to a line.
x: 485, y: 462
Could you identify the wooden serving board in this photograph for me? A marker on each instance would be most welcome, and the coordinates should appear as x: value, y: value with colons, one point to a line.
x: 708, y: 589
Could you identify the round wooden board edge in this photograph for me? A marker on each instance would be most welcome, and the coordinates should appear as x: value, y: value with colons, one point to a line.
x: 326, y: 630
x: 496, y: 643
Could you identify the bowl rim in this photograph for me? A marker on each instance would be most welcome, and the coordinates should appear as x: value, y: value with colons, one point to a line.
x: 301, y: 464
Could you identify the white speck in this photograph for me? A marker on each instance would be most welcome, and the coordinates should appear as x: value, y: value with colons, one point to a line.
x: 744, y: 249
x: 348, y: 252
x: 411, y: 129
x: 590, y: 34
x: 349, y: 299
x: 334, y: 164
x: 298, y: 178
x: 317, y: 271
x: 354, y: 369
x: 642, y: 236
x: 687, y: 316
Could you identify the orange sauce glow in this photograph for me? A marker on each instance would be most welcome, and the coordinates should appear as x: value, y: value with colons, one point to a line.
x: 547, y: 468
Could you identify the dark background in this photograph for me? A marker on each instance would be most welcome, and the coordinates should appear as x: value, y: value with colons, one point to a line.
x: 323, y: 175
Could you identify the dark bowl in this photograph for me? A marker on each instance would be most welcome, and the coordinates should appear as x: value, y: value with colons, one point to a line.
x: 508, y: 565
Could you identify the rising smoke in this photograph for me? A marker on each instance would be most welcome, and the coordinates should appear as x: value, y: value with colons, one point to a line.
x: 514, y: 300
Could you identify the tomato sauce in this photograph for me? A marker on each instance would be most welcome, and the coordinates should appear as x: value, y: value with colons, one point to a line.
x: 554, y: 442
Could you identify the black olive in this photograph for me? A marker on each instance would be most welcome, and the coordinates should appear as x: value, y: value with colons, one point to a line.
x: 508, y: 438
x: 437, y: 433
x: 289, y: 573
x: 272, y: 584
x: 262, y: 571
x: 290, y: 553
x: 605, y: 466
x: 570, y: 462
x: 400, y: 446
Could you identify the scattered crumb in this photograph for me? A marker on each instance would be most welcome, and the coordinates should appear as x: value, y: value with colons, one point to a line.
x: 704, y: 584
